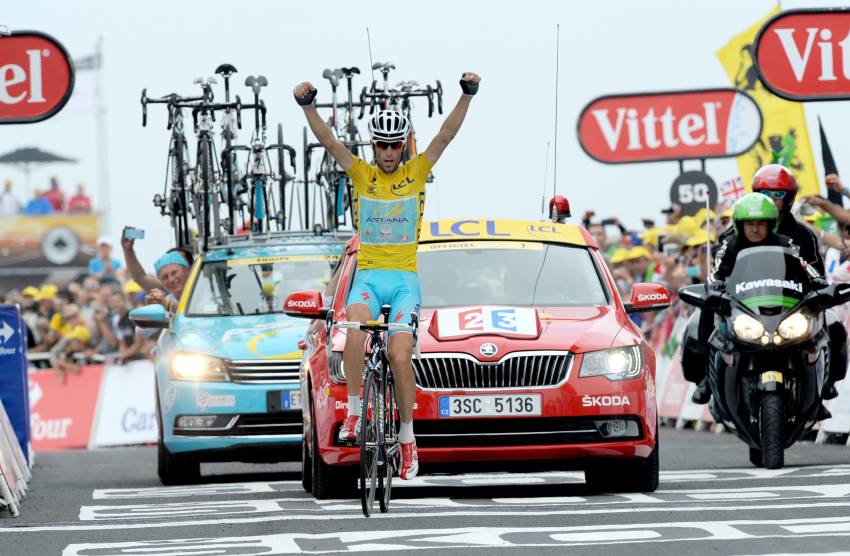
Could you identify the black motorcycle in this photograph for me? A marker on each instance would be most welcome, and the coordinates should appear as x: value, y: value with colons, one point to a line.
x: 769, y: 353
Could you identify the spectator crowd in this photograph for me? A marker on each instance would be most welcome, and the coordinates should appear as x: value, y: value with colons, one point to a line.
x: 51, y: 201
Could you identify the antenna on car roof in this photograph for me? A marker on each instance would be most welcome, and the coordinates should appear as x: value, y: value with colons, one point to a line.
x: 545, y: 175
x: 371, y: 65
x: 557, y: 67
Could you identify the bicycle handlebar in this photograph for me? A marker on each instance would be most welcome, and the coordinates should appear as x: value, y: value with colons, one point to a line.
x: 375, y: 326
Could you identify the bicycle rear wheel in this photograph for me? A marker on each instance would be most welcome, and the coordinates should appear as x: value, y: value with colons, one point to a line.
x: 390, y: 445
x: 371, y: 482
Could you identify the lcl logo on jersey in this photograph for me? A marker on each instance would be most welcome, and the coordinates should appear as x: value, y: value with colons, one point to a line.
x: 669, y: 126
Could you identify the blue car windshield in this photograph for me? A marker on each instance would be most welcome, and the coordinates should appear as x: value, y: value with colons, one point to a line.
x: 256, y: 286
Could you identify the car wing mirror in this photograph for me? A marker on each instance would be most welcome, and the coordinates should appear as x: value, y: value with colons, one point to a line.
x: 648, y: 297
x: 305, y: 304
x: 151, y: 316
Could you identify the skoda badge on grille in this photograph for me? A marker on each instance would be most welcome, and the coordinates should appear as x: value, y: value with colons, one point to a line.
x: 488, y: 349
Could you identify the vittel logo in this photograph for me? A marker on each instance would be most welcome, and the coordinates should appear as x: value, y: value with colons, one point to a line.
x: 605, y: 401
x: 14, y: 74
x: 677, y: 125
x: 827, y: 45
x: 651, y: 130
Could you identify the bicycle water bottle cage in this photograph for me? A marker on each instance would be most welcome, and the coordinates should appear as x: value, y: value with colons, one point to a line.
x: 225, y: 70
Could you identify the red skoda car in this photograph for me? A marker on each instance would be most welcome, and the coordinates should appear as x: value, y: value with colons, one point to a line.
x: 528, y: 356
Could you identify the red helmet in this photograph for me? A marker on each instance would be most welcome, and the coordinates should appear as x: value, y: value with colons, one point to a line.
x: 776, y: 177
x: 559, y: 208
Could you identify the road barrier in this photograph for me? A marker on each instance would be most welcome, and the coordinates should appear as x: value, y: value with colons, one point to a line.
x: 97, y: 406
x: 14, y: 469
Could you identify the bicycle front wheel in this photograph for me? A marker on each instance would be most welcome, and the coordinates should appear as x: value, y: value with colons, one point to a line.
x: 391, y: 447
x: 371, y: 482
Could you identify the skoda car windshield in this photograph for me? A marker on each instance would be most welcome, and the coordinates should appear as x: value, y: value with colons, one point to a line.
x: 524, y: 274
x: 256, y: 286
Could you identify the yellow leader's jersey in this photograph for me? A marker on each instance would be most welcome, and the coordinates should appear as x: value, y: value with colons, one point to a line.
x: 388, y: 212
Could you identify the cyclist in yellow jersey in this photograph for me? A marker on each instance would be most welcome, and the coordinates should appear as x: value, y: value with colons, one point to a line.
x: 388, y: 202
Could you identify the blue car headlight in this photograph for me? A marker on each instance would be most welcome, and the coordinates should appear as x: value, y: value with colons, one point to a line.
x: 614, y: 364
x: 196, y: 366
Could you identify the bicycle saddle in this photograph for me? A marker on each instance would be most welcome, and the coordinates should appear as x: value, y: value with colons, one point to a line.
x: 406, y: 85
x: 385, y: 66
x: 225, y: 70
x: 348, y: 72
x: 332, y: 76
x: 205, y: 82
x: 256, y: 83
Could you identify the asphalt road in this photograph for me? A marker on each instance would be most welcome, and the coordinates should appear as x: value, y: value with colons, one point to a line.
x: 711, y: 501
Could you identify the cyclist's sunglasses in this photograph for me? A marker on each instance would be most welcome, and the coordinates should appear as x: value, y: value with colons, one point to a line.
x: 395, y: 145
x: 778, y: 195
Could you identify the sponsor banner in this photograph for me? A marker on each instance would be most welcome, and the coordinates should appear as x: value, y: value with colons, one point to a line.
x: 37, y: 77
x: 13, y: 373
x: 676, y: 125
x: 58, y: 239
x: 463, y: 322
x: 784, y: 122
x: 62, y: 407
x: 502, y: 230
x: 127, y: 408
x: 805, y: 54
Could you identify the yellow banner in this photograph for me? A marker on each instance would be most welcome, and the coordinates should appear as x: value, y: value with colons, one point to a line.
x: 477, y: 229
x: 781, y: 117
x: 461, y: 245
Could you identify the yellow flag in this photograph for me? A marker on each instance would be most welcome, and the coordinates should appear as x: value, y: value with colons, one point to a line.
x: 781, y: 117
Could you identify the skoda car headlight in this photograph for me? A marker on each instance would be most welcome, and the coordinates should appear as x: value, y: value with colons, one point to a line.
x: 794, y: 326
x: 747, y: 327
x: 195, y: 366
x: 614, y: 364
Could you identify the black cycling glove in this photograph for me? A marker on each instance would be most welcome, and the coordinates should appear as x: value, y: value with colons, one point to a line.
x: 469, y: 88
x: 307, y: 99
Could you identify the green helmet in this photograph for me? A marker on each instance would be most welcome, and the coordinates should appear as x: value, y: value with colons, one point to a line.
x: 755, y: 206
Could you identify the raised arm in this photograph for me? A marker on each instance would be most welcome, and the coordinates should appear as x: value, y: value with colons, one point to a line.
x: 304, y: 95
x: 448, y: 131
x: 841, y: 214
x: 134, y: 267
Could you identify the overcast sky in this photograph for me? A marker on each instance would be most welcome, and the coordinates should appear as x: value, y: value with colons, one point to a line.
x: 494, y: 168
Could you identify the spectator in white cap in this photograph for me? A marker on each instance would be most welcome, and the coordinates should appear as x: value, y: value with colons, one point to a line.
x: 102, y: 265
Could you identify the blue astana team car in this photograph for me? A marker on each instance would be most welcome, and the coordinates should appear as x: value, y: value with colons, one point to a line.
x: 227, y: 362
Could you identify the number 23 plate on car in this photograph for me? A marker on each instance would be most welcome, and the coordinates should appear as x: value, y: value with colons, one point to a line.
x: 494, y: 405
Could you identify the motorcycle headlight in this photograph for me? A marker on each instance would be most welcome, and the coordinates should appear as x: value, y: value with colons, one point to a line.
x: 794, y: 326
x: 747, y: 327
x: 614, y: 364
x: 195, y: 366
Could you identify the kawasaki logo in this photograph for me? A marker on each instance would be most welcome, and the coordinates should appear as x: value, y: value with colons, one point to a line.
x: 605, y: 401
x: 768, y: 283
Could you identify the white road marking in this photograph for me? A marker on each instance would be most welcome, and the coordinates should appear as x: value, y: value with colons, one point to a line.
x: 467, y: 512
x: 441, y: 539
x: 193, y: 490
x: 199, y: 509
x: 733, y: 495
x: 473, y: 479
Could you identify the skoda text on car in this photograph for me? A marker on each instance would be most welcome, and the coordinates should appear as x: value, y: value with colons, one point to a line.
x: 527, y: 354
x: 227, y: 361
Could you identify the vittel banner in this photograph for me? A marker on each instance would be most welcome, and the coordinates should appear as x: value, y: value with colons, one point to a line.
x: 678, y: 125
x: 805, y: 54
x: 36, y: 77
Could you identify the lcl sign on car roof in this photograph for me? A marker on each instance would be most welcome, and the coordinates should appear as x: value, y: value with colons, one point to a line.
x: 36, y: 77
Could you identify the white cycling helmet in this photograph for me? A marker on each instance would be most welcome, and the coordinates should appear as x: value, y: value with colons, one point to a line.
x: 389, y: 126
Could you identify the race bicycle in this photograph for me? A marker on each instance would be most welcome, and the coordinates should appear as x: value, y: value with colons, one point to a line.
x: 380, y: 451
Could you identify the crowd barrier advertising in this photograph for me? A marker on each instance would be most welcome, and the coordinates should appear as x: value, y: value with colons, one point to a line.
x: 63, y: 406
x: 14, y: 470
x: 127, y: 408
x: 13, y: 373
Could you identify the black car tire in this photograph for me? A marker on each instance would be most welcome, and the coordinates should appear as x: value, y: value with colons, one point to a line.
x: 635, y: 475
x: 327, y: 481
x: 176, y: 469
